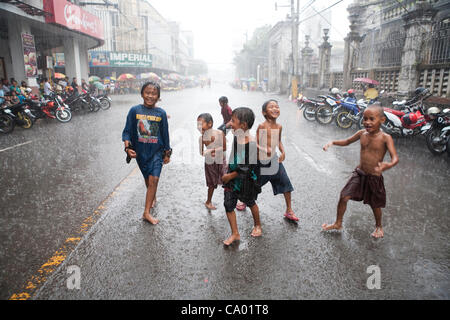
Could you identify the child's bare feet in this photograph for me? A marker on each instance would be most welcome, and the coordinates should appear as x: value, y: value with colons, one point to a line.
x: 291, y: 216
x: 148, y: 217
x: 210, y: 206
x: 257, y: 231
x: 378, y: 233
x: 335, y: 226
x: 231, y: 239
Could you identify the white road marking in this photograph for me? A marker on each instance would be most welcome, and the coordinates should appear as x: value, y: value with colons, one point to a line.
x: 17, y: 145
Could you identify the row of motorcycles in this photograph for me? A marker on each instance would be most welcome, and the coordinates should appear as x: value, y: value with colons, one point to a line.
x: 404, y: 118
x: 56, y: 105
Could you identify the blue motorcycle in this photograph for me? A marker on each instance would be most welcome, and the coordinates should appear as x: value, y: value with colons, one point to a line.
x: 350, y: 111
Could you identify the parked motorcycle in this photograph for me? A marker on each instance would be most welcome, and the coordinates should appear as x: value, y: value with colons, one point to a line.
x: 77, y: 101
x: 105, y: 101
x: 6, y: 121
x: 439, y: 133
x: 56, y: 106
x: 94, y: 103
x: 20, y: 114
x: 350, y: 112
x: 412, y: 120
x: 325, y: 113
x: 309, y: 107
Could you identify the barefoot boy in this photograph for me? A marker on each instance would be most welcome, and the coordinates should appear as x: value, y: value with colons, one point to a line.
x: 366, y: 182
x: 215, y: 163
x: 268, y: 136
x: 241, y: 181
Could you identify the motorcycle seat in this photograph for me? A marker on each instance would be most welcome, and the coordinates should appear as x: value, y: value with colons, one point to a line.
x: 396, y: 112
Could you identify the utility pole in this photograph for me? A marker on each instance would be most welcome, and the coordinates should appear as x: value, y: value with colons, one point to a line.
x: 295, y: 23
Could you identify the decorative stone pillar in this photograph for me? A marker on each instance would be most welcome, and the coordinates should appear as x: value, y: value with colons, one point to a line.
x: 307, y: 54
x: 324, y: 60
x: 418, y: 25
x: 352, y: 42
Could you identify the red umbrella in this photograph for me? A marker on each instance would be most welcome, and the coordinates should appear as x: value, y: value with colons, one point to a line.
x: 366, y: 80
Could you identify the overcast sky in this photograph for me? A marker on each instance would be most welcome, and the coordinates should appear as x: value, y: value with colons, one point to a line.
x: 218, y: 24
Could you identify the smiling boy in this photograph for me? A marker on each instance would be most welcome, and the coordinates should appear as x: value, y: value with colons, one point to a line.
x: 269, y: 139
x: 241, y: 179
x: 367, y: 183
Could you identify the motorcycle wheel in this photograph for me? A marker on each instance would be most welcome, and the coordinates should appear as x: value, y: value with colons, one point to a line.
x: 94, y: 105
x: 360, y: 122
x: 324, y: 115
x: 388, y: 127
x: 105, y: 104
x: 63, y: 115
x: 27, y: 122
x: 6, y: 124
x: 436, y: 147
x: 309, y: 112
x: 343, y: 121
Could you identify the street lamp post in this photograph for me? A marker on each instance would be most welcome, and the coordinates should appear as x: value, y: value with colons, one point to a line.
x: 294, y: 44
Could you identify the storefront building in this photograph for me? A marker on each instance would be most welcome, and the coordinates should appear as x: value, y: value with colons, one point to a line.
x: 38, y: 35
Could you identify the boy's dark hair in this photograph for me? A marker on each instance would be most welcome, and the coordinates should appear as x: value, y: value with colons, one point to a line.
x: 207, y: 117
x: 265, y: 104
x: 245, y: 115
x: 377, y: 106
x: 223, y: 99
x: 153, y: 84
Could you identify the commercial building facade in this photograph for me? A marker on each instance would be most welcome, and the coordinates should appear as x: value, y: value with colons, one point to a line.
x: 136, y: 31
x: 33, y: 32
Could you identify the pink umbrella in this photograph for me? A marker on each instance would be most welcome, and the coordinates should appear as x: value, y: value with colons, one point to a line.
x: 366, y: 80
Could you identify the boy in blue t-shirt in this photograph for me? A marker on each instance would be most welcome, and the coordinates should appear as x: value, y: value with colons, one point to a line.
x: 146, y: 138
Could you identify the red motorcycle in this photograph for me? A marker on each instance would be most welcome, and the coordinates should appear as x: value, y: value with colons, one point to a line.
x: 52, y: 108
x: 409, y: 121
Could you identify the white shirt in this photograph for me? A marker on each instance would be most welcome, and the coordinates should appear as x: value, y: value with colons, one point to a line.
x: 47, y: 88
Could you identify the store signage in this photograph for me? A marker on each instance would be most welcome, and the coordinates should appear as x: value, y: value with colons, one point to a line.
x: 119, y: 59
x: 73, y: 17
x: 29, y: 55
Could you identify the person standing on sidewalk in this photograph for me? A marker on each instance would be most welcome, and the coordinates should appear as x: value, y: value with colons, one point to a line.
x: 146, y: 138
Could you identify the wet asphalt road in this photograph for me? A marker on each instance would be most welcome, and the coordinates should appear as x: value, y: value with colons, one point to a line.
x: 70, y: 173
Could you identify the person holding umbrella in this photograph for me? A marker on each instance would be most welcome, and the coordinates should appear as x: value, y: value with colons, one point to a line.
x: 371, y: 93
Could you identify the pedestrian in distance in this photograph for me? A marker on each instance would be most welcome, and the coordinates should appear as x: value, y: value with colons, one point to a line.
x: 74, y: 85
x: 268, y: 137
x: 367, y: 183
x: 84, y: 85
x: 215, y: 163
x: 146, y: 138
x: 226, y: 111
x: 241, y: 179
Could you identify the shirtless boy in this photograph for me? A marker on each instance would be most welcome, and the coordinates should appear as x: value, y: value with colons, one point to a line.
x: 215, y: 163
x: 366, y: 182
x: 269, y: 139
